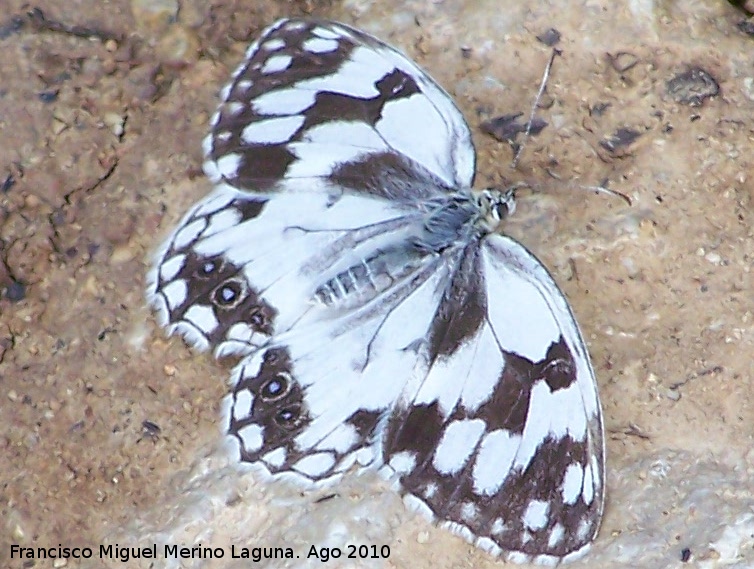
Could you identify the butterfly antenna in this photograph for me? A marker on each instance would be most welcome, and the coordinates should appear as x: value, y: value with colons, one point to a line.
x: 599, y: 189
x: 542, y: 87
x: 603, y: 189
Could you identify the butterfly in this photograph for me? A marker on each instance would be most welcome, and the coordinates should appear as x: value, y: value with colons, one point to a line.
x: 380, y: 318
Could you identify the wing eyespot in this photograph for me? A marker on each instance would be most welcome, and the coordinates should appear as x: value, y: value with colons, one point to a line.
x: 288, y: 417
x: 229, y: 294
x: 259, y: 320
x: 277, y: 387
x: 208, y: 268
x: 274, y: 357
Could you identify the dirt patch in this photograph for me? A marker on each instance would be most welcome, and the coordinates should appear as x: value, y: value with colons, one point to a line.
x: 101, y: 143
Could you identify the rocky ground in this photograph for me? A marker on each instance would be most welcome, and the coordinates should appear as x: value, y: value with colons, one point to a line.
x: 110, y: 431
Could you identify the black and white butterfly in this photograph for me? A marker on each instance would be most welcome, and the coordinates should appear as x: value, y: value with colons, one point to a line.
x: 381, y: 319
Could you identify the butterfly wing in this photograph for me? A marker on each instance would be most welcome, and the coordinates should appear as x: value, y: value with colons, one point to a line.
x: 317, y: 99
x: 310, y: 403
x: 502, y: 438
x: 243, y: 267
x: 324, y: 147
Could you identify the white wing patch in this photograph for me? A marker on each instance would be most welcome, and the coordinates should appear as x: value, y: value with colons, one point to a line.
x: 343, y: 257
x: 496, y: 455
x: 456, y: 445
x: 273, y: 131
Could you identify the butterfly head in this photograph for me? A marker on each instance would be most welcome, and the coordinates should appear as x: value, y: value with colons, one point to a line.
x: 495, y: 205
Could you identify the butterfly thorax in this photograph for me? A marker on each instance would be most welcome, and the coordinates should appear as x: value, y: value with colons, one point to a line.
x: 451, y: 220
x: 448, y: 221
x: 459, y: 217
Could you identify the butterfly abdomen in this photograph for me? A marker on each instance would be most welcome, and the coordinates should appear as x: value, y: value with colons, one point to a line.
x: 368, y: 278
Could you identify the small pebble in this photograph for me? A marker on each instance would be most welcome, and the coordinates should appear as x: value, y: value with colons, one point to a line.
x: 58, y: 126
x: 673, y: 395
x: 178, y: 46
x: 692, y: 87
x: 16, y: 291
x: 48, y: 96
x: 114, y: 122
x: 749, y: 88
x: 623, y: 61
x: 122, y: 255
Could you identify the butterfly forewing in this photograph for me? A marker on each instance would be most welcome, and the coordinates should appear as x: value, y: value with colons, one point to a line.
x: 340, y: 255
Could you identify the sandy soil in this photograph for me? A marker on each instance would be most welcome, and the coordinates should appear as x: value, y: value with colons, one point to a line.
x: 110, y: 431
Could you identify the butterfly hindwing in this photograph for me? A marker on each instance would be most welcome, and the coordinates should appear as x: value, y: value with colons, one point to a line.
x: 205, y: 297
x: 342, y: 376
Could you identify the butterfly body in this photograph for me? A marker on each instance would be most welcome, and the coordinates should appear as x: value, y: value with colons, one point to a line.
x: 380, y: 319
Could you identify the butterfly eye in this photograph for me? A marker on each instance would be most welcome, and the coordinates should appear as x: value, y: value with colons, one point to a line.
x: 208, y: 268
x: 277, y: 387
x: 288, y: 416
x: 229, y: 294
